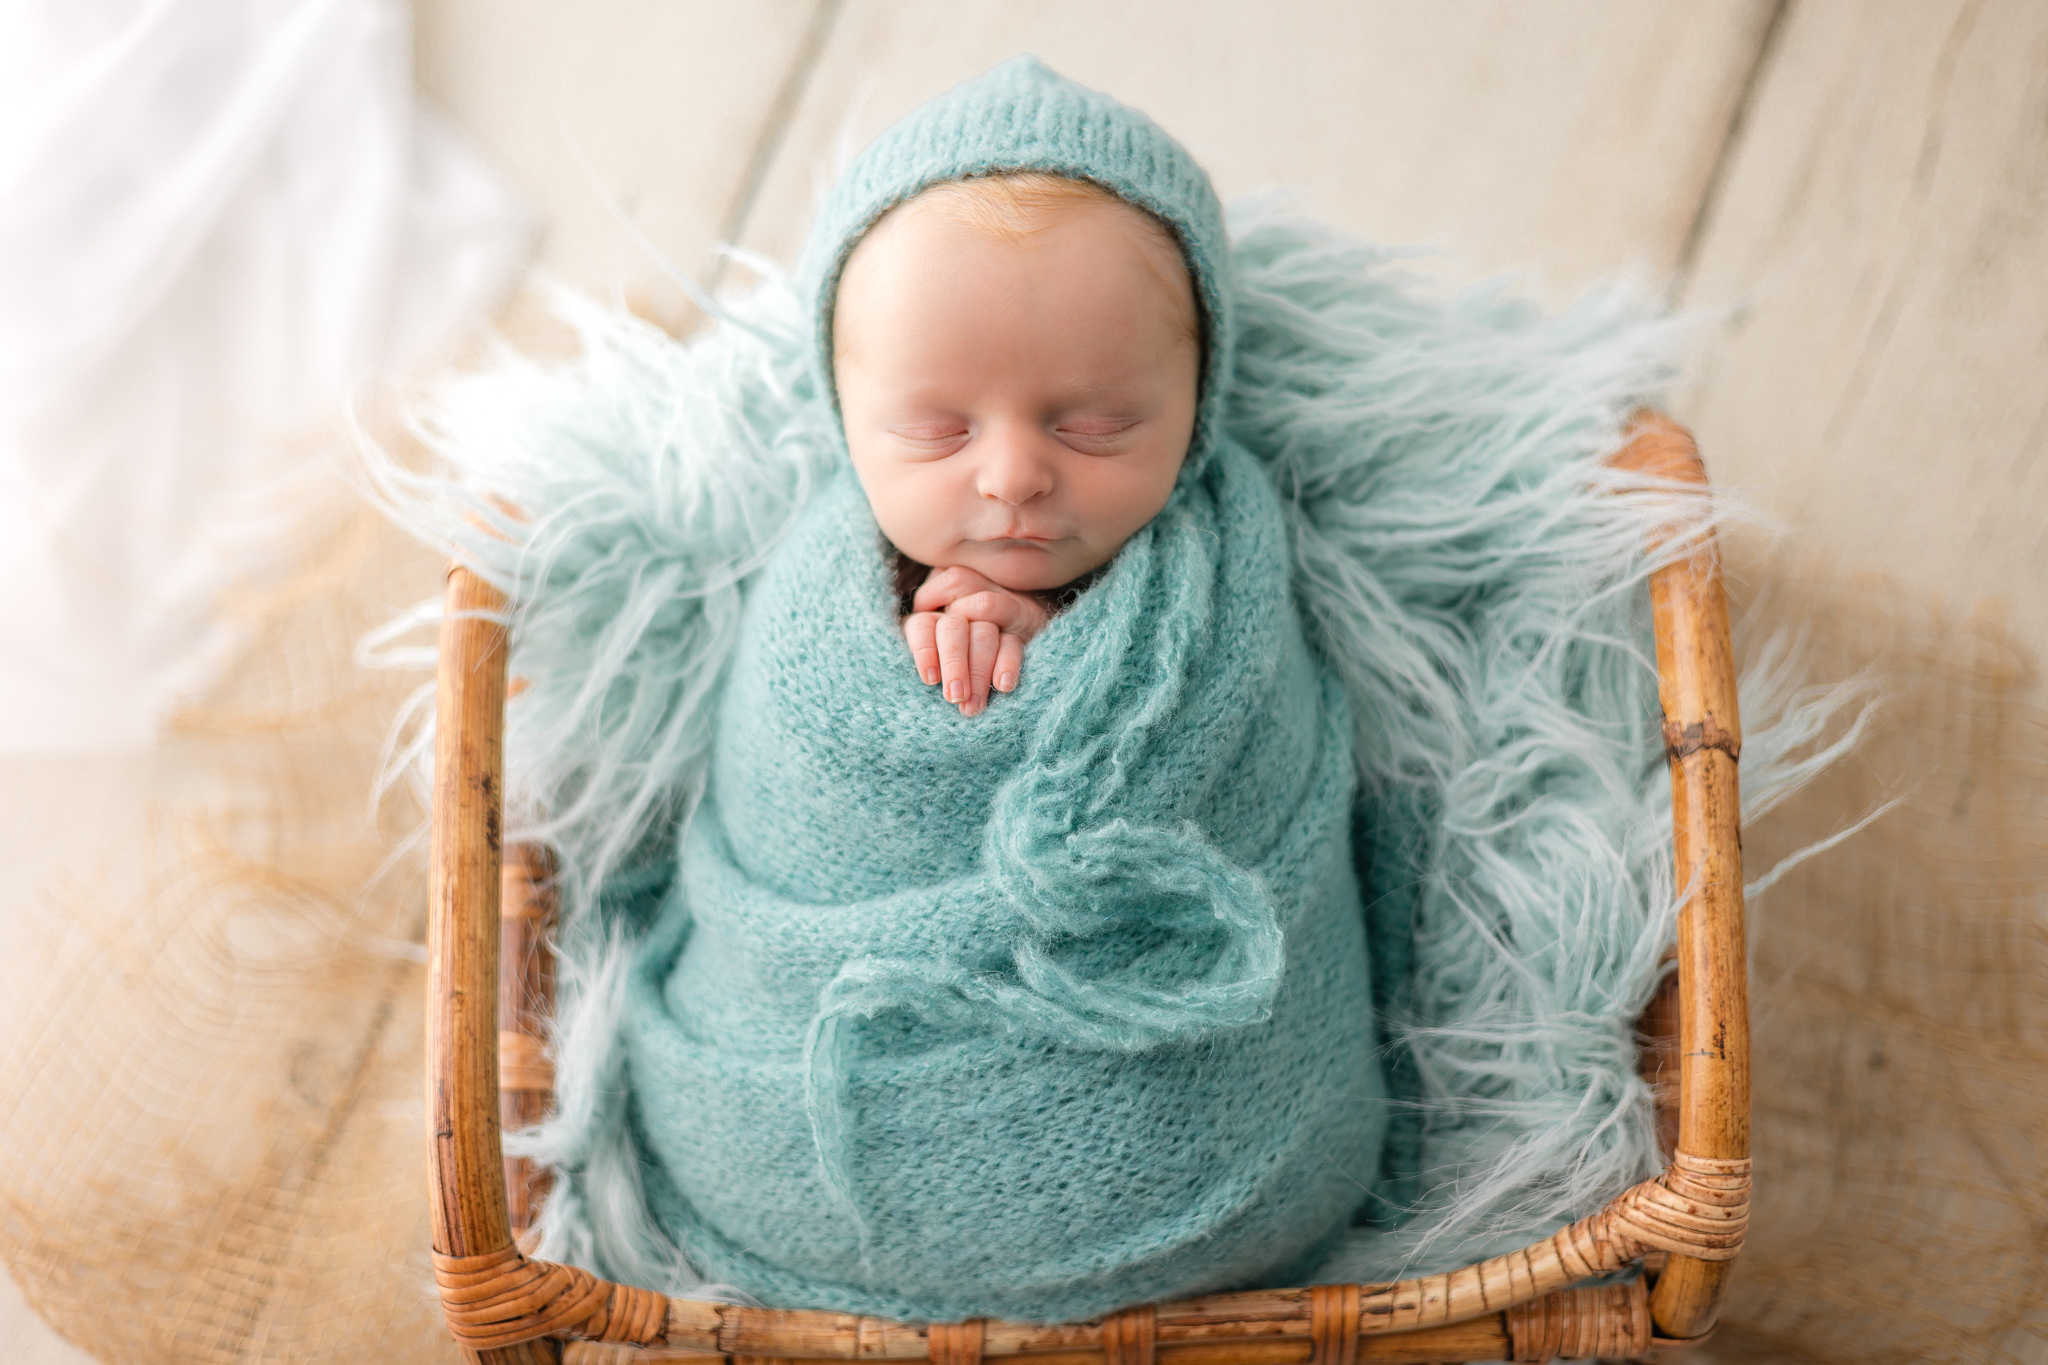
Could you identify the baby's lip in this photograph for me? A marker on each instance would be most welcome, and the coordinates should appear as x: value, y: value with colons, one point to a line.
x: 1021, y: 538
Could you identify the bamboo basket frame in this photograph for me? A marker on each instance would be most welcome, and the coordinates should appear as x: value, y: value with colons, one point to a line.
x: 486, y: 1070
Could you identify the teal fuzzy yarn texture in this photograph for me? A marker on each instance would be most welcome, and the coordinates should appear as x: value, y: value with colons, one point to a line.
x: 1326, y: 839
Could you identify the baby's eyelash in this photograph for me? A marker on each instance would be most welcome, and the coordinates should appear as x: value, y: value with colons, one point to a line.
x: 1108, y: 429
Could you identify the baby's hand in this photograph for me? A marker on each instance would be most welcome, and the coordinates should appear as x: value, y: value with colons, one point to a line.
x: 967, y: 632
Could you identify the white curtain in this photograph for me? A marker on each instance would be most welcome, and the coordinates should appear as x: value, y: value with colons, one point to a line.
x: 215, y: 217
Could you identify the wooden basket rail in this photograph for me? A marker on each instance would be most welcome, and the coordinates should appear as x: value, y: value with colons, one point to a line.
x: 485, y: 1068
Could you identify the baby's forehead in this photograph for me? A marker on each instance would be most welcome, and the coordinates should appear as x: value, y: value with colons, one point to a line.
x: 1019, y: 206
x: 1021, y: 212
x: 1019, y: 201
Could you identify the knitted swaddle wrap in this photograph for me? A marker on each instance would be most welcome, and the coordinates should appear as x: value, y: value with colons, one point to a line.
x: 1036, y: 1013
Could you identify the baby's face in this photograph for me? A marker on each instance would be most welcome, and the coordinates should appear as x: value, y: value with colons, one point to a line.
x: 1016, y: 404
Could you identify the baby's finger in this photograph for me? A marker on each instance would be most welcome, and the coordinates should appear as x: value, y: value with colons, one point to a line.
x: 952, y: 633
x: 920, y: 632
x: 1010, y: 612
x: 944, y: 586
x: 983, y: 640
x: 1009, y: 662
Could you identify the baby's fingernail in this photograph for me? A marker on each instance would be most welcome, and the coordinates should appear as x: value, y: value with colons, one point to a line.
x: 1007, y: 683
x: 931, y: 677
x: 956, y: 691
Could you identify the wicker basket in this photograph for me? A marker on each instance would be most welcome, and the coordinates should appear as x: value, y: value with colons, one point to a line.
x: 486, y: 1070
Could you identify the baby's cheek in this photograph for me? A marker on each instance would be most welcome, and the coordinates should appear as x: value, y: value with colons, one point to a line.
x: 1121, y: 501
x: 908, y: 508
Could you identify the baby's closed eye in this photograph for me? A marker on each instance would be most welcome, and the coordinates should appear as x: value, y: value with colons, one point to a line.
x: 1097, y: 431
x: 939, y: 438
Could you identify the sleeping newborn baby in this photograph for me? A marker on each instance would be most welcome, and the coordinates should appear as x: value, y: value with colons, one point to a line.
x: 1017, y: 359
x: 1032, y: 1009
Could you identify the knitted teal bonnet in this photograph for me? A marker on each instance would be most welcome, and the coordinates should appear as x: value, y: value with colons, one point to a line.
x: 1024, y: 116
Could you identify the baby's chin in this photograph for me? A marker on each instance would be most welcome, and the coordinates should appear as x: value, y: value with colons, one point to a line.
x: 1029, y: 568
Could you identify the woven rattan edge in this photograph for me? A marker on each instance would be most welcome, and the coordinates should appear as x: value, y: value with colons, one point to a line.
x: 1703, y: 737
x: 1698, y: 1208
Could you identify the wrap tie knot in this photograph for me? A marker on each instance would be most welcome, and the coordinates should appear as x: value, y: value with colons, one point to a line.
x: 1084, y: 898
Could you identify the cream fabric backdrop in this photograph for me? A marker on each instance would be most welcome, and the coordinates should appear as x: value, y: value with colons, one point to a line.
x: 214, y: 218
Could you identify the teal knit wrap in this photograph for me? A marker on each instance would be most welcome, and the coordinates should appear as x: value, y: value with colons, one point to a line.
x: 1023, y: 116
x: 1036, y: 1013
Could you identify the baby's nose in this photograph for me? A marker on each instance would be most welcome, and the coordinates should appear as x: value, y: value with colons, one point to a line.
x: 1012, y: 468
